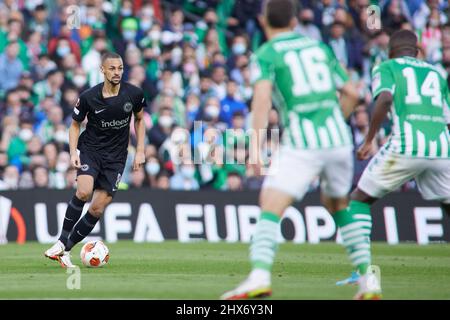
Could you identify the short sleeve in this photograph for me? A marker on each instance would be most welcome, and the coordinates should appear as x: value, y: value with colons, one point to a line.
x: 80, y: 110
x: 338, y: 72
x: 382, y: 80
x: 261, y: 68
x: 446, y: 103
x: 140, y: 102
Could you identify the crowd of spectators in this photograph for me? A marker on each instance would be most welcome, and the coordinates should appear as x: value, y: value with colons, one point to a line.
x: 191, y: 58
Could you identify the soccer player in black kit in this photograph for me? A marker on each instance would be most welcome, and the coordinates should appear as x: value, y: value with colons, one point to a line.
x: 100, y: 152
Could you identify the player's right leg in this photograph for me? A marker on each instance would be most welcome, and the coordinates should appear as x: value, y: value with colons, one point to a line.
x: 386, y: 172
x: 86, y: 177
x: 263, y: 247
x: 100, y: 200
x: 279, y: 190
x: 336, y: 182
x: 85, y: 185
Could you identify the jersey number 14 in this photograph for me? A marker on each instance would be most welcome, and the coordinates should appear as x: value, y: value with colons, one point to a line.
x: 429, y: 88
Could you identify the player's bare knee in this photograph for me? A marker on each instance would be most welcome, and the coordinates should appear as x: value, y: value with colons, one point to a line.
x: 273, y: 201
x: 97, y: 211
x: 335, y: 205
x: 84, y: 195
x: 361, y: 196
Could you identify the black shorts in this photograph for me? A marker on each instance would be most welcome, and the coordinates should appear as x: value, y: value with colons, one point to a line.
x: 106, y: 174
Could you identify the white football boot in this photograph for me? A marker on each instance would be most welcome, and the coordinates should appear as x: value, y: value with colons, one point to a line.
x: 64, y: 260
x: 252, y: 287
x: 55, y: 251
x: 369, y: 288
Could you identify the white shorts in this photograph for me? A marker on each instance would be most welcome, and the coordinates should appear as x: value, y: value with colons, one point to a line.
x: 387, y: 171
x: 293, y: 170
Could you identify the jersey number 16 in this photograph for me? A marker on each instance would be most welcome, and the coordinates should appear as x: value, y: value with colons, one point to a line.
x: 309, y: 70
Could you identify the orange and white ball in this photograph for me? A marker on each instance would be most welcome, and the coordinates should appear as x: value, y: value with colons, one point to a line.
x: 94, y: 254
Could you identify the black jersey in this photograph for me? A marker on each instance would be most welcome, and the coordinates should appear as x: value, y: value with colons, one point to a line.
x: 108, y: 127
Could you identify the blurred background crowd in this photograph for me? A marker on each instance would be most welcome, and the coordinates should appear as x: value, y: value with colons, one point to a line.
x: 191, y: 58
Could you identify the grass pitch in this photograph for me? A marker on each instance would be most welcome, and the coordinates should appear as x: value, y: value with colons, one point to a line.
x: 173, y: 270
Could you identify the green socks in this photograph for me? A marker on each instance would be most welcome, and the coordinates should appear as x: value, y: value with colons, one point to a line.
x: 355, y: 224
x: 264, y: 241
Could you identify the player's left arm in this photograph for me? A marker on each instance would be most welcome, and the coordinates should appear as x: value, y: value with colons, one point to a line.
x: 262, y: 78
x: 139, y: 126
x: 261, y: 105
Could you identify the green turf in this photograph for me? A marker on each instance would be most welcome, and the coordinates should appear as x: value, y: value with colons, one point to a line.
x: 202, y: 270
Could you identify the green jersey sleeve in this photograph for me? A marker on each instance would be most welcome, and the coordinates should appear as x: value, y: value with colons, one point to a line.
x: 446, y: 103
x: 261, y: 68
x: 382, y: 80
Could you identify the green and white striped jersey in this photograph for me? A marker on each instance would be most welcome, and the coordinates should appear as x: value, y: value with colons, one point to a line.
x: 305, y: 75
x: 420, y: 109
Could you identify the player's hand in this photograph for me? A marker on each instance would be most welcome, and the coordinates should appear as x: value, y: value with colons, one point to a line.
x: 364, y: 151
x: 139, y: 160
x: 75, y: 161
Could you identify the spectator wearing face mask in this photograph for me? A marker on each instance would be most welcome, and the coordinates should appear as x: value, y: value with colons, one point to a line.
x: 18, y: 144
x: 209, y: 115
x: 152, y: 168
x: 306, y: 26
x: 231, y: 104
x: 129, y: 29
x: 60, y: 47
x: 10, y: 180
x: 164, y: 127
x: 146, y: 18
x: 57, y: 177
x: 184, y: 178
x: 239, y: 47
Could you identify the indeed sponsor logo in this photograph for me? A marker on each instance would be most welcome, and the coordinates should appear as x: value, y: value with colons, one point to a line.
x: 115, y: 124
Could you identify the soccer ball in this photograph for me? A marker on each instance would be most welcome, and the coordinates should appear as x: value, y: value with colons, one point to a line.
x: 94, y: 254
